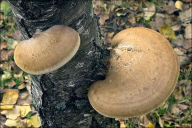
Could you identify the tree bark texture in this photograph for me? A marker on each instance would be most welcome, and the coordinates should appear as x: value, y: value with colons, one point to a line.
x: 60, y: 97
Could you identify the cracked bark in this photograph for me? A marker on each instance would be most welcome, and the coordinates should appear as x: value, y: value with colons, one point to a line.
x: 60, y: 97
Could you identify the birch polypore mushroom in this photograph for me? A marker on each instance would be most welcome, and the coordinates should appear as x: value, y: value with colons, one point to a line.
x: 47, y: 51
x: 142, y: 73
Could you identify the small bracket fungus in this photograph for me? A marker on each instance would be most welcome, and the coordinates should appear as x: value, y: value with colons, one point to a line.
x: 47, y: 51
x: 142, y: 73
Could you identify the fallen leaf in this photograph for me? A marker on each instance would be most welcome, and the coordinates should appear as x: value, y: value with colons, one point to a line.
x: 35, y: 121
x: 178, y: 41
x: 10, y: 84
x: 6, y: 54
x: 167, y: 31
x: 23, y: 123
x: 186, y: 125
x: 9, y: 98
x: 170, y: 8
x: 23, y: 95
x: 182, y: 106
x: 22, y: 86
x: 150, y: 125
x: 185, y: 15
x: 186, y: 1
x: 11, y: 123
x: 157, y: 23
x: 160, y: 121
x: 167, y: 118
x: 108, y: 38
x: 14, y: 44
x: 188, y: 31
x: 2, y: 121
x: 103, y: 17
x: 28, y: 88
x: 15, y: 35
x: 121, y: 11
x: 3, y: 45
x: 149, y: 11
x: 178, y: 5
x: 11, y: 114
x: 144, y: 121
x: 175, y: 110
x: 187, y: 44
x: 6, y: 75
x: 122, y: 125
x: 131, y: 18
x: 24, y: 109
x: 178, y: 93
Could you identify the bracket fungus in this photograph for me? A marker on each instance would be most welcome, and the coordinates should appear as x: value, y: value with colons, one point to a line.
x: 47, y: 51
x: 142, y: 73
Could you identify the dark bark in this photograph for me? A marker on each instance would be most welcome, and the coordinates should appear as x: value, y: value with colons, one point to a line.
x: 61, y: 96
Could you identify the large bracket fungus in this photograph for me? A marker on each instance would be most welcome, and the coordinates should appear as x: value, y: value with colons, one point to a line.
x: 142, y: 73
x: 47, y: 51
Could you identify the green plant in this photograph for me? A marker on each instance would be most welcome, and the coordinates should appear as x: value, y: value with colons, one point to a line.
x: 187, y: 75
x: 146, y: 22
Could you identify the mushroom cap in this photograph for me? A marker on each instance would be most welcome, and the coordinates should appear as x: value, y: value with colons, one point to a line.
x: 47, y: 51
x: 142, y: 73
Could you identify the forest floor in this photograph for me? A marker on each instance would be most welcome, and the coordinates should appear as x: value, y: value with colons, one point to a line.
x: 173, y: 19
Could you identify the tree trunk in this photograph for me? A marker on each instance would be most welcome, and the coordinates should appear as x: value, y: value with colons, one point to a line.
x: 60, y: 97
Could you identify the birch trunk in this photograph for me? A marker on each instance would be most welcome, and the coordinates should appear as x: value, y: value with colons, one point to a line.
x: 60, y: 97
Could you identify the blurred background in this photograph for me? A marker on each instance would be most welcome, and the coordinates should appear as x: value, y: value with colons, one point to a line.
x: 172, y: 18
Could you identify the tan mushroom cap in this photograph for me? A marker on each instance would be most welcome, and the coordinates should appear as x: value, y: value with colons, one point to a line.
x: 47, y: 51
x: 142, y: 73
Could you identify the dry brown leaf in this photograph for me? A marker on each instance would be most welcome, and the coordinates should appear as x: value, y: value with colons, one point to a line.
x: 3, y: 45
x: 187, y: 44
x: 15, y: 35
x: 23, y: 95
x: 167, y: 118
x: 9, y: 98
x: 6, y: 54
x: 108, y: 37
x: 131, y: 18
x: 170, y: 8
x: 103, y: 17
x: 178, y: 5
x: 27, y: 100
x: 28, y: 88
x: 23, y: 123
x: 12, y: 114
x: 149, y: 11
x: 186, y: 125
x: 157, y: 23
x: 2, y: 121
x: 178, y: 93
x: 160, y: 121
x: 175, y: 110
x: 144, y: 121
x: 188, y: 31
x: 10, y: 84
x: 182, y: 106
x: 22, y: 86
